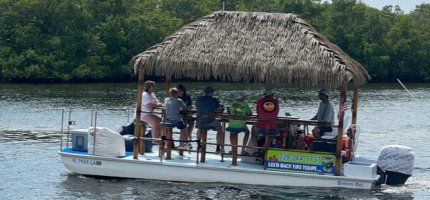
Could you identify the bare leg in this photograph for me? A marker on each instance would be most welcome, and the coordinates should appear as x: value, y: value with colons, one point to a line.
x: 268, y: 141
x: 219, y: 137
x: 190, y: 129
x: 154, y: 121
x: 253, y: 140
x: 198, y: 134
x: 245, y: 142
x: 183, y: 136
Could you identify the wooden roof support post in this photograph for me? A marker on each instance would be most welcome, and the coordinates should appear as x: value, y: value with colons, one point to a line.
x: 355, y: 106
x: 168, y: 78
x: 342, y: 99
x: 138, y: 111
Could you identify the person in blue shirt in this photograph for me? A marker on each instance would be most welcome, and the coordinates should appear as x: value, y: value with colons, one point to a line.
x: 205, y: 106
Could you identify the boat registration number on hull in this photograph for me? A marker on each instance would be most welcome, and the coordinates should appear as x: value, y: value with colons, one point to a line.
x: 89, y: 162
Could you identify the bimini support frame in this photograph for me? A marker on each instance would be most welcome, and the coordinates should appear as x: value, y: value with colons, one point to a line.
x: 342, y: 99
x: 136, y: 140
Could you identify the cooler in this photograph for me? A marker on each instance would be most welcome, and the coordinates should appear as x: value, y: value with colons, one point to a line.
x: 79, y: 140
x: 359, y: 170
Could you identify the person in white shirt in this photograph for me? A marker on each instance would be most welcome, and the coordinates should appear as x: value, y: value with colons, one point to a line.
x: 149, y: 102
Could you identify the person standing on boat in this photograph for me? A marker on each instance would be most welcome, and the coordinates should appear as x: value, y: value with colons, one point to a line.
x: 173, y: 105
x: 239, y: 108
x: 189, y: 121
x: 267, y: 110
x: 205, y: 106
x: 149, y: 102
x: 325, y: 112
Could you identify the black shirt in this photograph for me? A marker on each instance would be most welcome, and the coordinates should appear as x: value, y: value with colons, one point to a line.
x: 187, y: 100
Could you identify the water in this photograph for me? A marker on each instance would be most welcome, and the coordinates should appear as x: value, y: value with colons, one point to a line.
x: 30, y: 123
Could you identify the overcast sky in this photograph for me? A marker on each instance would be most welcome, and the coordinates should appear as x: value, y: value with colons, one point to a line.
x: 405, y: 5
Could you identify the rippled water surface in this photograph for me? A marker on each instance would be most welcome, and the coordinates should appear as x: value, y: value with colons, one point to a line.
x: 30, y: 124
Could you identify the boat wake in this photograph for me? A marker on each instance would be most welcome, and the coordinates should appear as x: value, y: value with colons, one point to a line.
x: 34, y: 136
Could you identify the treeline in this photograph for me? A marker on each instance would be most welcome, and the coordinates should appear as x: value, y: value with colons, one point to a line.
x: 93, y: 40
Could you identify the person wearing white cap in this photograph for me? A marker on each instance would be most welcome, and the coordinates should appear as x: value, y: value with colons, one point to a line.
x: 325, y: 111
x: 238, y: 108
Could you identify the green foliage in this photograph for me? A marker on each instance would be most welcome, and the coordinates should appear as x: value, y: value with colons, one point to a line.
x: 81, y: 40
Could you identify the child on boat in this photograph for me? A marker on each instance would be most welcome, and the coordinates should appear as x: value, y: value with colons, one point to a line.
x: 239, y: 108
x: 173, y: 106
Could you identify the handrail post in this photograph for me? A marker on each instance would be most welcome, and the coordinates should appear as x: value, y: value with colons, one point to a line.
x: 234, y: 142
x: 138, y: 111
x: 342, y: 99
x: 169, y: 143
x: 168, y: 80
x: 355, y: 106
x: 95, y: 131
x: 203, y: 135
x: 62, y: 130
x: 68, y: 128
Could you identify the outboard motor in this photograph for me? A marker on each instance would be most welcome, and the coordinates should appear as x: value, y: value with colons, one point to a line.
x: 395, y: 164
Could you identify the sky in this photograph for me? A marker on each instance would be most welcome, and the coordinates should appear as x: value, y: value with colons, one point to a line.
x: 405, y: 5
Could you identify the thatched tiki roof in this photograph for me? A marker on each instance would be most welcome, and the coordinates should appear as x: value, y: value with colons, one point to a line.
x: 249, y: 46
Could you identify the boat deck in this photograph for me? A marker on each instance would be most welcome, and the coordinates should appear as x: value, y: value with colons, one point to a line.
x: 189, y: 160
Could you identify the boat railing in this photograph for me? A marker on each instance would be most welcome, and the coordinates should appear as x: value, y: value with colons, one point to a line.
x: 65, y: 133
x: 223, y: 117
x: 252, y: 119
x: 69, y: 124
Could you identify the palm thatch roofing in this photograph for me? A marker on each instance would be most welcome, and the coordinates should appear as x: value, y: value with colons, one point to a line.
x: 274, y: 48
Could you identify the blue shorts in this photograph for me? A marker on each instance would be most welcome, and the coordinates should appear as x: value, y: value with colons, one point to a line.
x: 269, y: 132
x: 177, y: 124
x: 324, y: 130
x: 214, y: 125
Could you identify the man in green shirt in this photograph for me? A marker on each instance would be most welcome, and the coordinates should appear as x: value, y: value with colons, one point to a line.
x: 235, y: 126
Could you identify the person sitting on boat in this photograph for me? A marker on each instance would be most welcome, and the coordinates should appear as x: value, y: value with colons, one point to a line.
x: 189, y: 120
x: 205, y: 106
x: 149, y: 102
x: 325, y: 111
x: 267, y: 109
x: 173, y: 105
x: 239, y: 108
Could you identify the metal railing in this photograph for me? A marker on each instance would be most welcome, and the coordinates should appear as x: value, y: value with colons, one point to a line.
x: 65, y: 135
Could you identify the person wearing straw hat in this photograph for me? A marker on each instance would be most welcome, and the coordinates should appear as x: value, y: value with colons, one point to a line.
x: 205, y: 106
x: 325, y: 111
x: 267, y: 109
x: 239, y: 108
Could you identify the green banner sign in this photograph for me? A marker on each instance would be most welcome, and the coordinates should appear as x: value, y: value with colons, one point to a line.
x: 313, y: 163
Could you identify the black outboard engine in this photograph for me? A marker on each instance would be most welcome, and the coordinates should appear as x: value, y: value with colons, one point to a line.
x: 395, y: 164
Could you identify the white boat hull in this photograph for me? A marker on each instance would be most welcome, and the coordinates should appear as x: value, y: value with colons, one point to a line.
x: 185, y: 169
